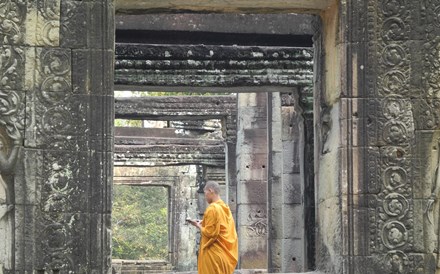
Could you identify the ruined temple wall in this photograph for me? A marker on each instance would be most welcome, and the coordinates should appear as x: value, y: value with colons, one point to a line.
x: 56, y: 89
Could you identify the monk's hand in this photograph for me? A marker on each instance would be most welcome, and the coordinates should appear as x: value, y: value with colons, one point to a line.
x: 198, y: 224
x: 193, y: 222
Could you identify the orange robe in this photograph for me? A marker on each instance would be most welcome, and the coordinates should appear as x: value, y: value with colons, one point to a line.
x: 218, y: 252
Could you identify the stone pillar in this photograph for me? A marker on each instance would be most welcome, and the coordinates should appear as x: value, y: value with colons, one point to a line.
x: 252, y: 180
x: 275, y: 191
x: 293, y: 180
x: 378, y: 126
x: 56, y: 86
x: 287, y: 248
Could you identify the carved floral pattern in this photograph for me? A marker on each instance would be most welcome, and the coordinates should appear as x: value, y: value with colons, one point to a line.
x: 55, y: 69
x: 396, y: 205
x: 395, y: 132
x: 392, y: 7
x: 392, y: 212
x: 394, y: 234
x: 397, y: 261
x: 393, y: 82
x: 394, y: 178
x: 11, y: 68
x: 12, y: 106
x: 48, y: 22
x: 12, y: 13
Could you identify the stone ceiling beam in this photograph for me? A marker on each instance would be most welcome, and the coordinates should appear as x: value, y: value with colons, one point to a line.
x: 280, y: 24
x: 178, y: 107
x: 221, y: 6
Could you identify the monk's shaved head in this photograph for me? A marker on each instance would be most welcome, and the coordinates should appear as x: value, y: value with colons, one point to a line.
x: 212, y: 186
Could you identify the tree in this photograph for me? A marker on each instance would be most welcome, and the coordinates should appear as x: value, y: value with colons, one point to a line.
x: 140, y: 222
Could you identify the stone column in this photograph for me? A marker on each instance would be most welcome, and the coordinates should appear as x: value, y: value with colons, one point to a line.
x: 379, y: 131
x: 56, y: 73
x: 286, y: 243
x: 293, y: 181
x: 252, y: 180
x: 275, y: 184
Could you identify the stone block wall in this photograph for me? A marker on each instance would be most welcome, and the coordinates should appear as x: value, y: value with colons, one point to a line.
x: 57, y: 106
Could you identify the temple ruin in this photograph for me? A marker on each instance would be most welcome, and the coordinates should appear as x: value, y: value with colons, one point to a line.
x: 320, y: 119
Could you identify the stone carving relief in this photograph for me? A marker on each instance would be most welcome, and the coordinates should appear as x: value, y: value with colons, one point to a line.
x: 9, y: 150
x: 257, y: 223
x: 11, y: 68
x: 432, y: 199
x: 393, y: 210
x: 56, y: 77
x: 57, y: 199
x: 12, y: 14
x: 397, y: 261
x: 48, y: 22
x: 432, y: 71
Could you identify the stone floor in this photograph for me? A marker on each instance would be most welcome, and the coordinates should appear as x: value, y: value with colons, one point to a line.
x: 162, y: 267
x: 243, y: 271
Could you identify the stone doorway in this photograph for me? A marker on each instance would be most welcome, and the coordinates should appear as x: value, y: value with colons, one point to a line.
x: 279, y: 103
x: 376, y: 125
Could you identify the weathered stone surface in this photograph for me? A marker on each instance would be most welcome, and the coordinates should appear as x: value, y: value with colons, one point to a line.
x: 200, y: 66
x: 241, y: 6
x: 177, y: 107
x: 60, y: 203
x: 171, y: 151
x: 252, y: 167
x: 281, y: 24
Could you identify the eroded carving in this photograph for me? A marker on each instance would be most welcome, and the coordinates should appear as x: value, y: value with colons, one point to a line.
x: 56, y: 83
x: 392, y: 7
x: 394, y: 55
x: 395, y: 178
x: 393, y: 29
x: 394, y: 108
x: 394, y: 234
x: 397, y: 261
x: 8, y: 157
x: 393, y: 156
x: 393, y: 228
x: 11, y: 67
x: 393, y: 82
x: 395, y: 133
x: 396, y: 205
x: 257, y: 224
x: 48, y: 24
x: 12, y: 13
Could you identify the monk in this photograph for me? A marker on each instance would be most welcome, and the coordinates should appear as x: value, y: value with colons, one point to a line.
x: 218, y: 252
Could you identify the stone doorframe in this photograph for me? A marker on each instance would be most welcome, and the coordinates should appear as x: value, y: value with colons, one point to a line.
x: 284, y: 71
x: 170, y: 184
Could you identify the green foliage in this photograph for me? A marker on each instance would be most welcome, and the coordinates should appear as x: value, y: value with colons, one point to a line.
x: 140, y: 222
x: 173, y: 93
x: 128, y: 123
